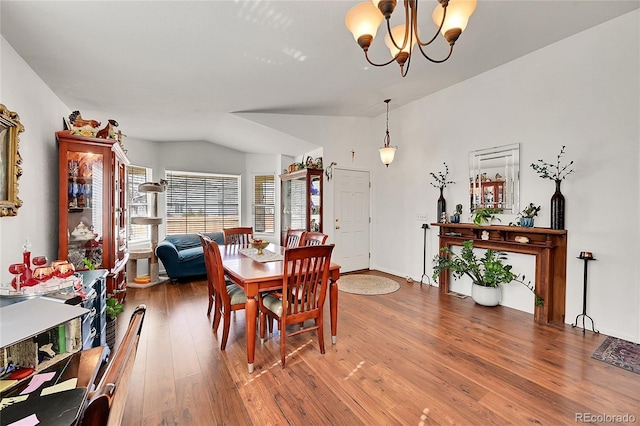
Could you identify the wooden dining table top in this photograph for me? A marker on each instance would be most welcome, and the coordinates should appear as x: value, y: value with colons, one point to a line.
x: 248, y: 271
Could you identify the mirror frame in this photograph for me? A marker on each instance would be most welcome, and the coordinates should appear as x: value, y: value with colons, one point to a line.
x: 10, y: 160
x: 509, y: 158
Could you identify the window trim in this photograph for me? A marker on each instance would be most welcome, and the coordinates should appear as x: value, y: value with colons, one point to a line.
x: 255, y: 204
x: 145, y: 240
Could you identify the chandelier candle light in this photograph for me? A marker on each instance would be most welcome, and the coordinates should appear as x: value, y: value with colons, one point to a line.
x: 387, y: 152
x: 363, y: 20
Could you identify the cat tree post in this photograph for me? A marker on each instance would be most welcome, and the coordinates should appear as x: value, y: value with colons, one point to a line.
x: 154, y: 221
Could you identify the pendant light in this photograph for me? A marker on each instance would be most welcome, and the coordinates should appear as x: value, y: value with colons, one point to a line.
x: 387, y: 152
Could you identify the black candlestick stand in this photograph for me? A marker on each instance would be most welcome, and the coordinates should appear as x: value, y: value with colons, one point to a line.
x: 425, y: 226
x: 584, y: 297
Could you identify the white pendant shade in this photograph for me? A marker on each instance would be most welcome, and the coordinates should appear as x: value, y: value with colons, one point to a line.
x: 387, y: 153
x: 398, y: 36
x: 363, y: 19
x: 458, y: 13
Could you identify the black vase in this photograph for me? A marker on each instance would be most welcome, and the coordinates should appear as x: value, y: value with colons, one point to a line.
x: 442, y: 207
x: 557, y: 208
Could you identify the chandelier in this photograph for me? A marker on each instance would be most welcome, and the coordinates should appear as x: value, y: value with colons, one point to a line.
x: 363, y: 20
x: 387, y: 152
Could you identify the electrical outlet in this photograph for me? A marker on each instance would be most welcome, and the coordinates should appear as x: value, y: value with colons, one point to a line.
x: 422, y: 217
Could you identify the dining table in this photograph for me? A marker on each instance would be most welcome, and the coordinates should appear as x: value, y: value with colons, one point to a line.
x: 257, y: 273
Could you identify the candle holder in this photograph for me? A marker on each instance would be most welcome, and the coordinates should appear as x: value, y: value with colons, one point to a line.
x: 586, y: 256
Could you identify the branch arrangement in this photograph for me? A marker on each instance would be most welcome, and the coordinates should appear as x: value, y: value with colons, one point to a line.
x: 553, y: 171
x: 441, y: 178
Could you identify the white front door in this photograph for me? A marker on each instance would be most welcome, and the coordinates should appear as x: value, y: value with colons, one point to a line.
x: 351, y: 224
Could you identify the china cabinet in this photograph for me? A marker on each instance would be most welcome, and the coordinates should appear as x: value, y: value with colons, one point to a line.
x: 92, y: 210
x: 301, y: 201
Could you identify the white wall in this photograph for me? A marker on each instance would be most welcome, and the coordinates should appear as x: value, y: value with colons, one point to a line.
x: 582, y: 92
x: 41, y: 113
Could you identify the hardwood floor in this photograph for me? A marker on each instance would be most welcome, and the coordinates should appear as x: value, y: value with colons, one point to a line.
x: 412, y: 357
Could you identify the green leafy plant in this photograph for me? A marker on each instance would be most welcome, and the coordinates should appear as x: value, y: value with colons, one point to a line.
x: 440, y: 179
x: 554, y: 172
x: 485, y: 215
x: 530, y: 212
x: 487, y: 271
x: 113, y: 307
x: 89, y: 264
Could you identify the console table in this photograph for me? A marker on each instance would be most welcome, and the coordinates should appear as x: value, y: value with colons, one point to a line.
x: 549, y: 246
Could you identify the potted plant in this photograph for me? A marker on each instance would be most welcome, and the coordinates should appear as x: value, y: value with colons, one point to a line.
x: 485, y: 215
x: 486, y: 272
x: 525, y: 217
x: 113, y: 308
x: 455, y: 217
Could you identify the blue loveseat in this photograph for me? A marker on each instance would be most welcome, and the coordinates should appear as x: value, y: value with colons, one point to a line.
x: 182, y: 255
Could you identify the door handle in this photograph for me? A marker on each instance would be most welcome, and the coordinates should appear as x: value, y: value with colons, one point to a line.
x: 337, y: 223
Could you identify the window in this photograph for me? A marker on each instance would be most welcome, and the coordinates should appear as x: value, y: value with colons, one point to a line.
x: 138, y: 203
x: 199, y: 202
x: 264, y: 203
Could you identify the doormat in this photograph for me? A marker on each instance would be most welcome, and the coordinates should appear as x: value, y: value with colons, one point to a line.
x: 620, y: 353
x: 367, y: 284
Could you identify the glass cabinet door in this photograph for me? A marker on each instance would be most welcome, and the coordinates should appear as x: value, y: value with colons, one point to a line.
x: 315, y: 204
x: 85, y: 190
x: 301, y: 201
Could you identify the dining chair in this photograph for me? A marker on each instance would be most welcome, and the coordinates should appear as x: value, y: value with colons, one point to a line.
x: 294, y: 238
x: 240, y: 235
x: 106, y: 404
x: 228, y: 297
x: 314, y: 238
x: 210, y: 284
x: 304, y: 289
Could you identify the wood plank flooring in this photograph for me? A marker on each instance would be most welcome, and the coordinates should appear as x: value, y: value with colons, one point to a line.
x: 412, y: 357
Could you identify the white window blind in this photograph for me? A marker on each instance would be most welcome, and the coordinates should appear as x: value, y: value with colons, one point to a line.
x: 264, y: 203
x: 199, y: 202
x: 138, y: 202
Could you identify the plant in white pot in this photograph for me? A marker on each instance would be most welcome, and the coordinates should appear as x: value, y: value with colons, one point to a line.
x: 486, y: 272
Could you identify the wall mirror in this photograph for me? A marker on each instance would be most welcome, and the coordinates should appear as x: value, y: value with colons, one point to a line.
x: 10, y: 160
x: 495, y: 178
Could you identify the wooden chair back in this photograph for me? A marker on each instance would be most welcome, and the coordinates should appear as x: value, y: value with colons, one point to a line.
x: 314, y: 238
x: 295, y: 237
x: 304, y: 289
x: 204, y: 240
x: 228, y: 298
x: 241, y: 235
x: 106, y: 404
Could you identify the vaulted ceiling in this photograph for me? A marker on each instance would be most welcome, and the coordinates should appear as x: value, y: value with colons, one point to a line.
x: 188, y: 70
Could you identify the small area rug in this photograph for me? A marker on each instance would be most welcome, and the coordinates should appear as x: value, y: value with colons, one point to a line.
x: 620, y: 353
x: 367, y: 284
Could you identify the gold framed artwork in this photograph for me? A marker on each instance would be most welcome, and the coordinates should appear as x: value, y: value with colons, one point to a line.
x: 10, y: 160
